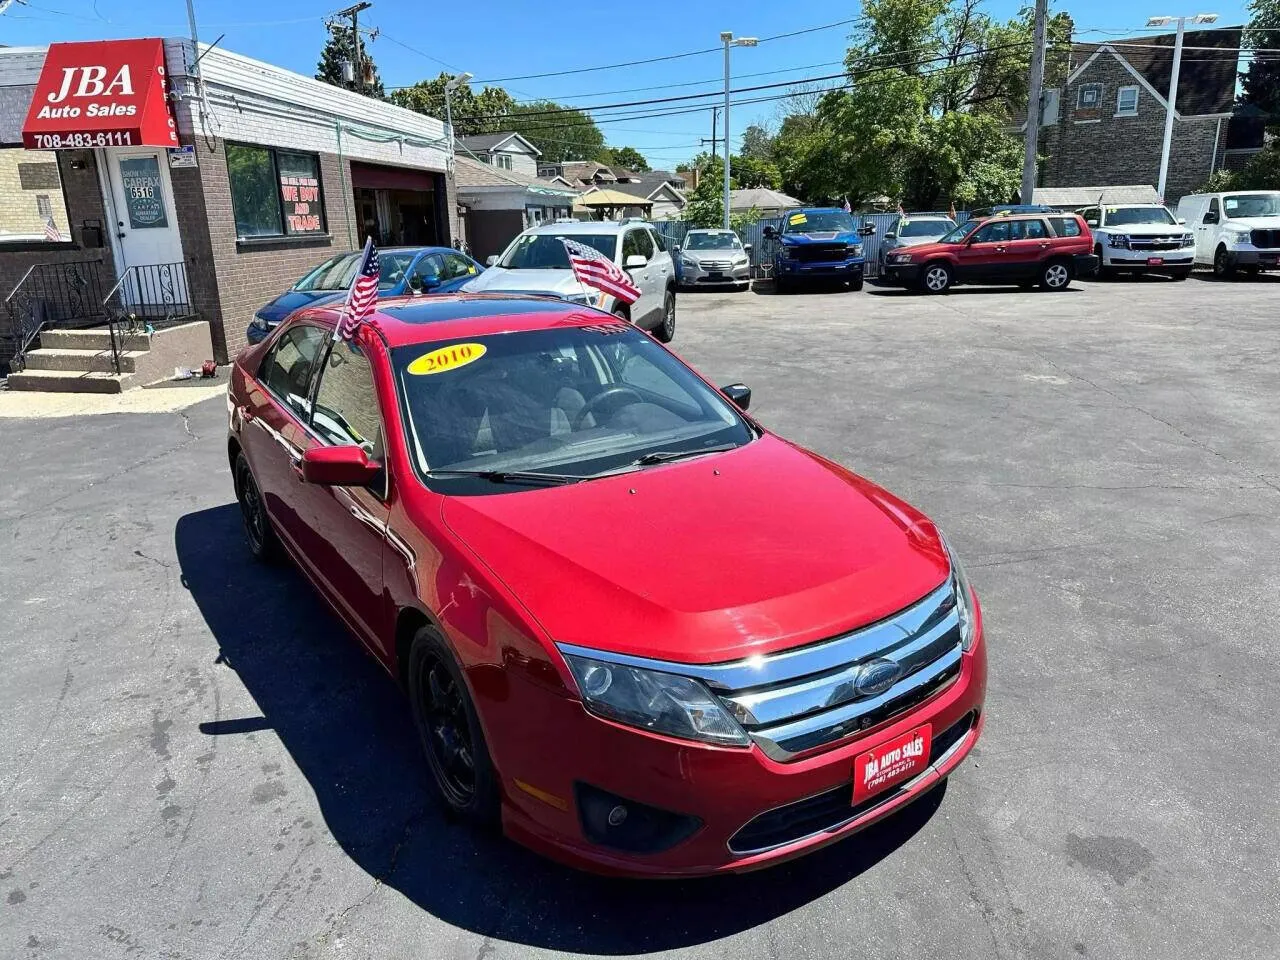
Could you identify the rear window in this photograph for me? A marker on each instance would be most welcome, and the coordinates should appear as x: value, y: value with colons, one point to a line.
x: 1065, y: 226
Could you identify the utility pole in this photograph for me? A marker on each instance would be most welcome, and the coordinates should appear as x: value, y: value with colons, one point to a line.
x: 715, y: 118
x: 1035, y: 96
x: 353, y: 12
x: 1173, y: 88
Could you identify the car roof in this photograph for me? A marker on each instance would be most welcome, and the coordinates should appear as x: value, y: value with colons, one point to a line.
x: 408, y: 320
x: 587, y: 226
x: 924, y: 216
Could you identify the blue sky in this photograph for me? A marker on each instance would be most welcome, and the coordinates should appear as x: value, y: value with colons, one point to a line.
x: 516, y: 38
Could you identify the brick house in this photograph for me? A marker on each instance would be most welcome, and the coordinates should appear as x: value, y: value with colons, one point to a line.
x: 262, y: 175
x: 1105, y: 126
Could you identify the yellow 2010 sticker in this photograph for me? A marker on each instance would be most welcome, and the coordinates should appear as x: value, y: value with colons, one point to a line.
x: 796, y: 219
x: 447, y: 358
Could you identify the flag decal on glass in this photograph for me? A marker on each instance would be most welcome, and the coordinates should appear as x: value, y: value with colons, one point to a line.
x: 362, y: 297
x: 593, y: 268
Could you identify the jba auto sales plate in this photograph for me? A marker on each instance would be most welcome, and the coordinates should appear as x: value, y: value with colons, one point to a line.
x: 891, y: 762
x: 1154, y: 261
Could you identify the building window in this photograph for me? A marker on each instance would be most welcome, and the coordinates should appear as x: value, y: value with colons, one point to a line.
x: 1127, y: 102
x: 1088, y: 96
x: 504, y: 161
x: 275, y: 193
x: 32, y: 206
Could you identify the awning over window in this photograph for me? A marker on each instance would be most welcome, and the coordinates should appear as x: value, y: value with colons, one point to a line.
x: 104, y: 93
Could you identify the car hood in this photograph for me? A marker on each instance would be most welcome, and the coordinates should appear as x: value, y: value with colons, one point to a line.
x: 1254, y: 223
x: 901, y: 242
x: 502, y: 280
x: 292, y: 300
x: 1143, y: 229
x: 828, y: 236
x: 725, y: 254
x: 717, y: 558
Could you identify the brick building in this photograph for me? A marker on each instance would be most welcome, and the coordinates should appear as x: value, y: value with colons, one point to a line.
x: 264, y: 174
x: 1105, y: 126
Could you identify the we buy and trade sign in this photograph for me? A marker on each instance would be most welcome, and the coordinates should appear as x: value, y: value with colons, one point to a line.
x: 104, y: 93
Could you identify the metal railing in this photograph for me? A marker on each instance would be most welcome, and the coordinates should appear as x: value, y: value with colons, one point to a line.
x: 62, y: 294
x: 146, y: 297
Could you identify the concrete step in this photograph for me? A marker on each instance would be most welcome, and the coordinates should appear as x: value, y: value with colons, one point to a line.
x: 96, y: 339
x: 70, y: 381
x: 83, y: 361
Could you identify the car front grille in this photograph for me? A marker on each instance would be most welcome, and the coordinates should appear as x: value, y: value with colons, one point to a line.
x: 1265, y: 238
x: 819, y: 252
x: 715, y: 266
x: 1156, y: 243
x: 832, y: 809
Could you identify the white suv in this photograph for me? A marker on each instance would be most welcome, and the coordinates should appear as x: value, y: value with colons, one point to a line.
x: 1140, y: 238
x: 1237, y: 229
x: 536, y: 262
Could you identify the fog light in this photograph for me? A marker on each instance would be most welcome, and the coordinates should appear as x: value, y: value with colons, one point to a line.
x: 613, y: 821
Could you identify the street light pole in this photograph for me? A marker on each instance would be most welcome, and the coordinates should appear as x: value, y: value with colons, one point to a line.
x: 727, y: 38
x: 1173, y: 88
x: 450, y: 86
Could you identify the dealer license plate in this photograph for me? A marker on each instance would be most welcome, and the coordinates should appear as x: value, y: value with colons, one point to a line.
x: 1154, y: 261
x: 890, y: 763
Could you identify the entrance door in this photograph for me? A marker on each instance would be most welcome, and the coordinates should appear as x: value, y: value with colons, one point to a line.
x: 147, y: 237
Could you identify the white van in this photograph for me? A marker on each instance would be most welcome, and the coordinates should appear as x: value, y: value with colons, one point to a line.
x: 1236, y: 229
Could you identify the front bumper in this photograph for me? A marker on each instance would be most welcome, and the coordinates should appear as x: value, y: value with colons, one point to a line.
x: 850, y: 269
x: 1085, y: 264
x: 1250, y: 256
x: 705, y: 277
x: 901, y: 274
x: 1128, y: 259
x: 560, y: 746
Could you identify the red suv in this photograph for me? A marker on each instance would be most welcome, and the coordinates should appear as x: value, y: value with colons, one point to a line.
x: 636, y: 628
x: 1023, y: 249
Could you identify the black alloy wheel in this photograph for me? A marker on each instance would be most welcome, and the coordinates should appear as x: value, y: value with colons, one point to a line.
x: 666, y: 330
x: 450, y: 732
x: 1222, y: 265
x: 257, y: 525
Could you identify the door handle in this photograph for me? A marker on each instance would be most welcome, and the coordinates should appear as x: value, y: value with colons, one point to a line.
x: 1000, y: 249
x: 1044, y: 244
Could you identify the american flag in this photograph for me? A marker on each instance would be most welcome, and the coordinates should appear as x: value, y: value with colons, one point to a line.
x: 847, y: 208
x: 362, y: 298
x: 901, y: 212
x: 51, y: 231
x: 594, y: 269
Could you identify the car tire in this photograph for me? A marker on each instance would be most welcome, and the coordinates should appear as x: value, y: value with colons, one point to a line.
x: 782, y: 286
x: 258, y: 532
x: 1223, y: 268
x: 1103, y: 272
x: 936, y: 278
x: 856, y: 285
x: 1055, y: 275
x: 666, y: 330
x: 1180, y: 274
x: 466, y: 785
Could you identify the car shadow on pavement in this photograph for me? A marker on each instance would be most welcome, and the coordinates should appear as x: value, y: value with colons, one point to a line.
x: 347, y: 727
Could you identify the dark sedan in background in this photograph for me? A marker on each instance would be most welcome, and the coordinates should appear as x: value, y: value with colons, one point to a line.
x: 404, y: 270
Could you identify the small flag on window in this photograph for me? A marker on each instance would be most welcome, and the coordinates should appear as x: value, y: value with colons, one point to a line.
x: 51, y: 231
x: 594, y: 269
x: 362, y: 297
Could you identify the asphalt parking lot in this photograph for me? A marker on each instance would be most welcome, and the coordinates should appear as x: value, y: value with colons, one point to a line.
x: 198, y: 763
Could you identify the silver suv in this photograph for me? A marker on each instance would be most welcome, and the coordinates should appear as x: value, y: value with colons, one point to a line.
x: 536, y: 262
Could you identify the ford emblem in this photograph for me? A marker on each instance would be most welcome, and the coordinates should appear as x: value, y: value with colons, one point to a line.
x: 877, y: 677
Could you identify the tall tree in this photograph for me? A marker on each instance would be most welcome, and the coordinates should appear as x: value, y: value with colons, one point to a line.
x: 757, y: 142
x: 561, y: 135
x: 339, y: 50
x: 628, y: 157
x: 483, y: 112
x: 1262, y: 80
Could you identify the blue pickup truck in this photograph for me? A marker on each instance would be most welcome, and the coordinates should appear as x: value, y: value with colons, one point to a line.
x: 816, y: 243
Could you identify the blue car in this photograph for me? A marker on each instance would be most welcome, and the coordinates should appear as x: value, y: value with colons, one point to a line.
x: 404, y: 270
x: 816, y: 243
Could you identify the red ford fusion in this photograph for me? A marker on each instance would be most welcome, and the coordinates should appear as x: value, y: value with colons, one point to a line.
x: 636, y: 629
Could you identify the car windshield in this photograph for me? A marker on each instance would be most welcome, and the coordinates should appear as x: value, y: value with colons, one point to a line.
x: 923, y: 228
x: 1252, y: 205
x: 961, y: 230
x: 712, y: 241
x: 1126, y: 216
x: 574, y: 400
x: 819, y: 221
x: 544, y: 251
x: 338, y: 272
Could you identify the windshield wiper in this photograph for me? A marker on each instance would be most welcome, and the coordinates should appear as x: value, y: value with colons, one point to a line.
x: 510, y: 476
x: 666, y: 456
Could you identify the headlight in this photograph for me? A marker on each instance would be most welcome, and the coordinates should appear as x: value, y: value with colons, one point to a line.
x: 258, y: 323
x: 786, y: 253
x: 1238, y: 234
x: 1188, y: 239
x: 855, y: 249
x: 964, y: 600
x: 689, y: 262
x: 902, y: 258
x: 742, y: 261
x: 660, y: 702
x: 1118, y: 240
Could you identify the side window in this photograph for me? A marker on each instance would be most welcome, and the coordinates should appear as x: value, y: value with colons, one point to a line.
x: 346, y: 409
x: 1092, y: 216
x: 1214, y: 208
x: 994, y: 232
x: 637, y: 242
x: 1065, y: 226
x: 286, y: 371
x: 1033, y: 230
x: 659, y: 242
x: 456, y: 266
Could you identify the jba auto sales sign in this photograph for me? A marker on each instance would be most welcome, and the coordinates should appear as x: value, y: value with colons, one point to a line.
x: 104, y: 93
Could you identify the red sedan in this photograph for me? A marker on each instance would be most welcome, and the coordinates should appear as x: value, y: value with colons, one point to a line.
x: 636, y: 628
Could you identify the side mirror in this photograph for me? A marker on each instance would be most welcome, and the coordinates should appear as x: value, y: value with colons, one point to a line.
x: 346, y: 466
x: 430, y: 281
x: 739, y: 394
x: 1091, y: 223
x: 868, y: 229
x: 1182, y: 221
x: 1210, y: 217
x: 891, y: 235
x: 769, y: 233
x: 675, y: 250
x: 490, y: 260
x: 746, y: 247
x: 636, y: 260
